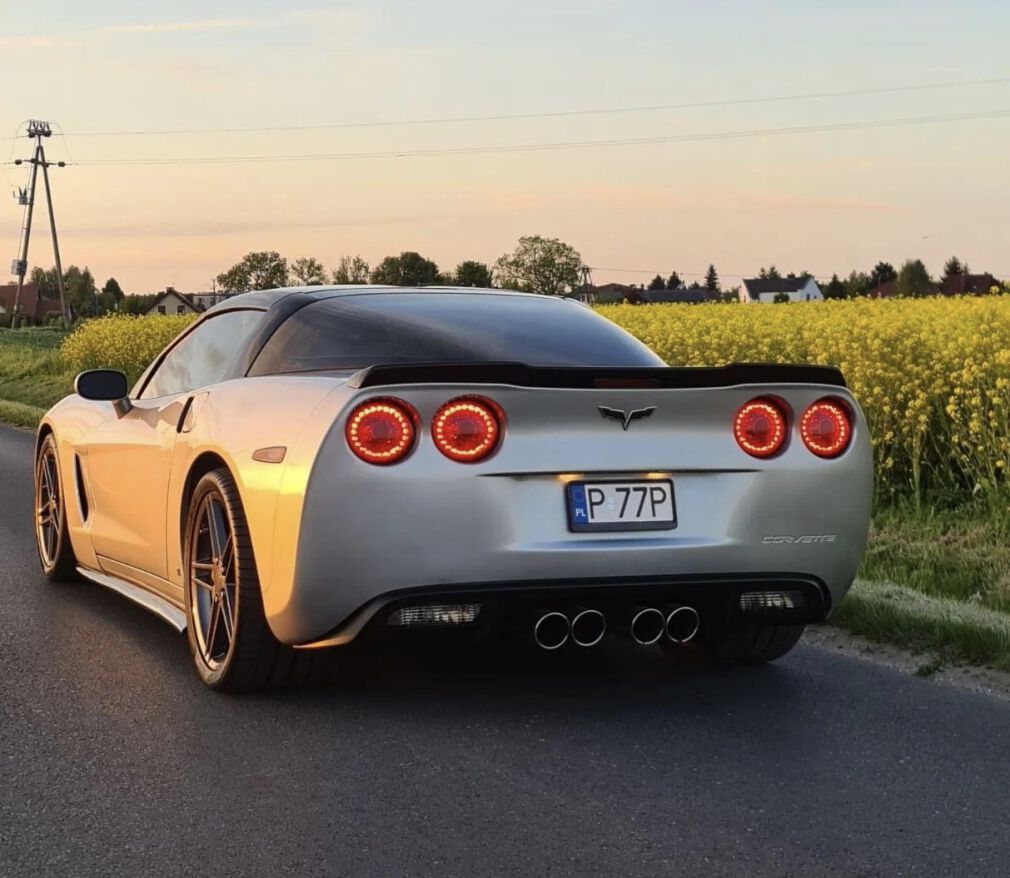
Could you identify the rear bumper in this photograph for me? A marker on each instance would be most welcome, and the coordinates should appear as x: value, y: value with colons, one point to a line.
x: 505, y: 605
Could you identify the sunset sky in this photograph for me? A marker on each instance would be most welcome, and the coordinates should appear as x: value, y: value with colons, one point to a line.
x: 825, y: 201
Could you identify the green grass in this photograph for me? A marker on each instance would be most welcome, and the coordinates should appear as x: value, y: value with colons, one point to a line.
x: 962, y: 554
x: 32, y: 376
x: 951, y: 629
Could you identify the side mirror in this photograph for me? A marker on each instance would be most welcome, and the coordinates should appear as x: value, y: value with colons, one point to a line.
x: 102, y: 384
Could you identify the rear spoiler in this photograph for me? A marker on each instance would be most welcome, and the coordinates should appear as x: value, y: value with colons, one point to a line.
x: 596, y: 377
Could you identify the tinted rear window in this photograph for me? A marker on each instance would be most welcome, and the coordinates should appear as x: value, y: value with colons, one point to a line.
x: 352, y: 332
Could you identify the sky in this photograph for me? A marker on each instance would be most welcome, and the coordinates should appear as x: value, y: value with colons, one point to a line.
x: 823, y: 200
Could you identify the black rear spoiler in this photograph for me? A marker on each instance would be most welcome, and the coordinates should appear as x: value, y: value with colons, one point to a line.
x: 596, y: 377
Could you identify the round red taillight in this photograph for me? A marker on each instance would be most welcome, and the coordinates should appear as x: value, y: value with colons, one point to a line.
x: 381, y: 431
x: 467, y: 429
x: 826, y: 428
x: 760, y: 428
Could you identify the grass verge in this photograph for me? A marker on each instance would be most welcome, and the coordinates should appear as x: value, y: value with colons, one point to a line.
x: 32, y: 375
x: 954, y: 630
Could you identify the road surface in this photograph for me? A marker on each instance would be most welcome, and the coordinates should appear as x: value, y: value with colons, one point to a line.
x: 114, y: 760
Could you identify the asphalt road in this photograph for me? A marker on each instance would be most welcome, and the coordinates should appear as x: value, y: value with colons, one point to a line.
x: 114, y: 760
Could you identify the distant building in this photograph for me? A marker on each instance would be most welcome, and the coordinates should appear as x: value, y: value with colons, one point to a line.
x: 968, y: 285
x: 173, y: 302
x: 605, y: 294
x: 765, y: 290
x: 688, y: 295
x: 886, y: 290
x: 31, y: 305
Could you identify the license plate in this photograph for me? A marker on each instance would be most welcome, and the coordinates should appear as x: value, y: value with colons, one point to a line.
x: 639, y: 505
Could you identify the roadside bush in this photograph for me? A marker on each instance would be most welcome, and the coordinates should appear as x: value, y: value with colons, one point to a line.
x: 121, y: 342
x: 932, y: 376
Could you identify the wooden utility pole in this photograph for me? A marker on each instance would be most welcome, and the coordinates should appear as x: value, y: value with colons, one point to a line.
x: 38, y: 129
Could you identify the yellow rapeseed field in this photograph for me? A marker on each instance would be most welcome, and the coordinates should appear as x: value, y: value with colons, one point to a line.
x: 121, y: 342
x: 932, y: 375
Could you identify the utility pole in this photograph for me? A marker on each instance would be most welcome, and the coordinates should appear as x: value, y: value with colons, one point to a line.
x: 38, y: 129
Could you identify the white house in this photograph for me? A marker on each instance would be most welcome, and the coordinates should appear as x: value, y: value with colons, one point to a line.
x: 764, y: 290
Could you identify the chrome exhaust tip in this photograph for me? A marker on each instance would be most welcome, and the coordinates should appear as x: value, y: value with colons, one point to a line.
x: 647, y: 625
x: 551, y: 630
x: 588, y: 627
x: 682, y: 624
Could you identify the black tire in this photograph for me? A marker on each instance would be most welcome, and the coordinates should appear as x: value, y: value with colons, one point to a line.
x: 240, y: 654
x: 52, y: 539
x: 751, y: 642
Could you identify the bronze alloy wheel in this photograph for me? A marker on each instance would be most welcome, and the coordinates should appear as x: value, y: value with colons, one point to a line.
x: 55, y: 552
x: 213, y: 581
x: 48, y: 507
x: 232, y: 645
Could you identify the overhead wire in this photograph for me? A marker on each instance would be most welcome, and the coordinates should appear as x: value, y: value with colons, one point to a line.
x: 855, y: 125
x: 554, y: 114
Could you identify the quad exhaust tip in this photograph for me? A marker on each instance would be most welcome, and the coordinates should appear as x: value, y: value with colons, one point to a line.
x: 588, y: 627
x: 551, y: 630
x: 647, y: 626
x: 682, y: 624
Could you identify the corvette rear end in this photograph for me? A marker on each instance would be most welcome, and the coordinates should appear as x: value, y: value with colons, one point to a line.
x: 663, y: 504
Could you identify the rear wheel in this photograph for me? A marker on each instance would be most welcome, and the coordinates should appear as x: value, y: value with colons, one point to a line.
x: 232, y: 645
x: 56, y: 554
x: 749, y: 641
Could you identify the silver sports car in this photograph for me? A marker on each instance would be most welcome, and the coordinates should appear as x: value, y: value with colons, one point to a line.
x: 307, y: 468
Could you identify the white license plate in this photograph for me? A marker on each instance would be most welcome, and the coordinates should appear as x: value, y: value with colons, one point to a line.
x: 638, y: 505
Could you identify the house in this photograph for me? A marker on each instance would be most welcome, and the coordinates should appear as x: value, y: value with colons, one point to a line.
x: 173, y: 302
x: 689, y: 295
x: 203, y: 301
x: 968, y: 285
x: 31, y: 305
x: 765, y: 290
x: 886, y: 290
x: 606, y: 294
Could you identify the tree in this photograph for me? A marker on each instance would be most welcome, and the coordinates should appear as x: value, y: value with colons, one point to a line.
x: 45, y: 281
x: 914, y: 280
x: 712, y: 280
x: 351, y: 270
x: 883, y: 273
x: 770, y: 274
x: 954, y: 267
x: 674, y: 282
x: 409, y: 269
x: 858, y: 283
x: 657, y: 283
x: 308, y: 271
x: 81, y: 291
x: 111, y: 298
x: 473, y: 274
x: 540, y: 265
x: 139, y: 304
x: 261, y: 270
x: 780, y: 298
x: 836, y: 289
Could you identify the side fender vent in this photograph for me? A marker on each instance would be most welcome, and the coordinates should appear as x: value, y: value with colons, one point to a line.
x: 82, y: 494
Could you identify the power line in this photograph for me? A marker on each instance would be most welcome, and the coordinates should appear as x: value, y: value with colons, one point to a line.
x: 557, y: 114
x: 562, y: 145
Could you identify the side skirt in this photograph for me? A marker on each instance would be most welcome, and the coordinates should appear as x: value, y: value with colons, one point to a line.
x: 168, y: 612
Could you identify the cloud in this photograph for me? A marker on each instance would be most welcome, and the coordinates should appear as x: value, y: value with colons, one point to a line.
x: 198, y: 26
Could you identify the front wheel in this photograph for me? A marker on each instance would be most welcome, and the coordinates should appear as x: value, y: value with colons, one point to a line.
x: 753, y: 642
x: 52, y: 540
x: 232, y: 645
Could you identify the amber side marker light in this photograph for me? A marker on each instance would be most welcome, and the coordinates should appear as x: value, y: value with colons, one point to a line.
x: 467, y: 429
x: 760, y: 427
x: 381, y: 431
x: 826, y: 428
